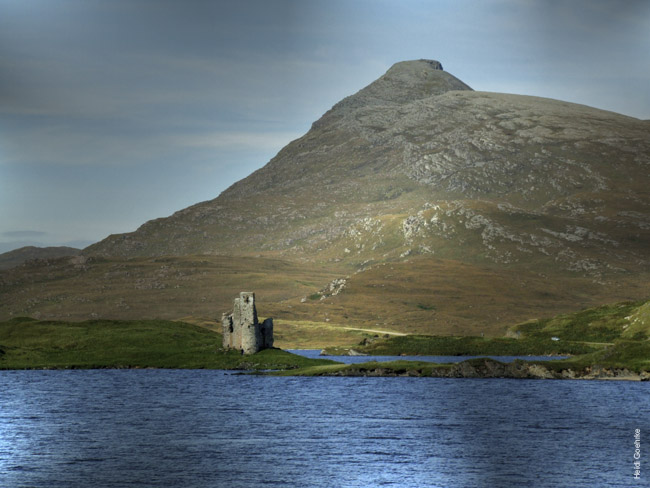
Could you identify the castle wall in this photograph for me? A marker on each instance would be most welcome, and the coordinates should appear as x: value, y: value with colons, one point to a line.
x: 267, y: 333
x: 227, y: 329
x: 251, y: 339
x: 242, y: 329
x: 248, y: 312
x: 237, y: 325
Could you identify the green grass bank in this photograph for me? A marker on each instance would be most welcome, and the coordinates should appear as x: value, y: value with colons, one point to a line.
x: 30, y: 344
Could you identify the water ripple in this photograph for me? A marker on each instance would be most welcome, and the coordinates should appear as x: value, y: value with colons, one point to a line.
x: 200, y: 429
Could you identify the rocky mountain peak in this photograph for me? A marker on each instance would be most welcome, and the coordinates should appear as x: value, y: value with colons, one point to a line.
x: 419, y: 67
x: 404, y: 82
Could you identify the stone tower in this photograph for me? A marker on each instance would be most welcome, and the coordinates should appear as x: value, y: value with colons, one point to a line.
x: 241, y: 328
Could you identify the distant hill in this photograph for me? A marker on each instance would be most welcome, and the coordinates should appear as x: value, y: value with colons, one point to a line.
x: 416, y: 204
x: 17, y: 257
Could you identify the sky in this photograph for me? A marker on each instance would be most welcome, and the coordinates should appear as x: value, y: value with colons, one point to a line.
x: 115, y: 112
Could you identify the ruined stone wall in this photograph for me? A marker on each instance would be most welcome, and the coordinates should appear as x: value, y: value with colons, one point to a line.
x: 267, y: 333
x: 242, y: 329
x: 237, y: 324
x: 227, y: 330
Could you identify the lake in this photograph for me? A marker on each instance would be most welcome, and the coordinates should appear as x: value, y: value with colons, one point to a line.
x: 199, y: 428
x: 315, y: 354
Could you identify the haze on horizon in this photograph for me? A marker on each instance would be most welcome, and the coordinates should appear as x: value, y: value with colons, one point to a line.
x: 114, y: 113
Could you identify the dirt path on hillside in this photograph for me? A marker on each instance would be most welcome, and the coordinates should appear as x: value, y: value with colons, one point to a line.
x: 374, y: 331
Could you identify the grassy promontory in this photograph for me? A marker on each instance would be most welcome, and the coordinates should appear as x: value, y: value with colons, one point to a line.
x: 30, y: 344
x: 624, y: 360
x: 607, y: 342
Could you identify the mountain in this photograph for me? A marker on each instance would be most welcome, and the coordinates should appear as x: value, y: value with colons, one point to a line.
x: 416, y: 204
x: 418, y: 163
x: 19, y: 256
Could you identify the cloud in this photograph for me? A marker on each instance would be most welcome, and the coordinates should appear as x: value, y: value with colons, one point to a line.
x: 74, y: 145
x: 142, y: 106
x: 78, y: 146
x: 265, y: 141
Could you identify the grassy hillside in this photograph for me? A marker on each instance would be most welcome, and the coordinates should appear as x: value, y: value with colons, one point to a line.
x: 420, y: 345
x: 31, y: 344
x: 17, y: 257
x: 422, y: 295
x: 163, y: 288
x: 627, y: 320
x: 624, y: 354
x: 639, y: 322
x: 580, y: 332
x: 427, y: 295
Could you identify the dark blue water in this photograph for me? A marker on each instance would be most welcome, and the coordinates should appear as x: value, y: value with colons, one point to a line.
x: 315, y: 354
x: 180, y: 428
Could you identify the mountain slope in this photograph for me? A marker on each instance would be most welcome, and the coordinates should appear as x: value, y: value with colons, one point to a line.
x: 418, y: 163
x: 415, y: 205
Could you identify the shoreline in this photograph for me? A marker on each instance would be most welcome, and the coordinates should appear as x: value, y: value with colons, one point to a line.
x: 490, y: 369
x: 472, y: 368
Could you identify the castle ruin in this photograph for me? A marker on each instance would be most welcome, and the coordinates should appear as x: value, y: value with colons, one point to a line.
x: 242, y: 330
